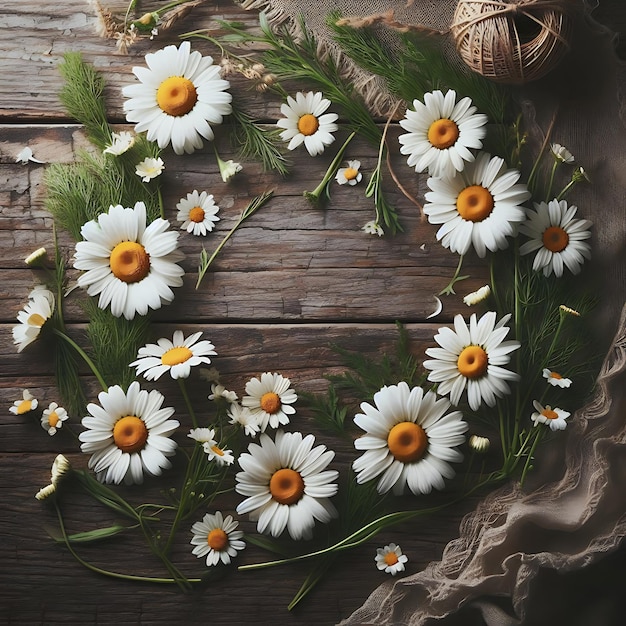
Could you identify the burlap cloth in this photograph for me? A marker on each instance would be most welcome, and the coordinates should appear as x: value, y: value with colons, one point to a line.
x: 574, y: 510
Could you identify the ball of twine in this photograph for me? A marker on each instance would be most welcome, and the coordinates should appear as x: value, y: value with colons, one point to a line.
x: 514, y: 41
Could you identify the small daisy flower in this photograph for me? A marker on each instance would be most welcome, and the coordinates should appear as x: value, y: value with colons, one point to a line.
x: 219, y: 391
x: 25, y: 155
x: 149, y: 168
x: 390, y: 559
x: 441, y: 133
x: 409, y: 440
x: 269, y: 400
x: 479, y: 444
x: 127, y: 435
x: 120, y: 143
x: 25, y: 405
x: 130, y: 265
x: 53, y: 417
x: 304, y: 122
x: 206, y: 437
x: 555, y: 379
x: 373, y: 228
x: 285, y: 484
x: 349, y: 175
x: 477, y: 296
x: 179, y: 97
x: 37, y: 257
x: 480, y: 207
x: 561, y: 154
x: 176, y: 357
x: 472, y: 358
x: 216, y: 538
x: 242, y: 416
x: 557, y: 238
x: 198, y: 213
x: 228, y: 169
x: 553, y: 417
x: 33, y: 317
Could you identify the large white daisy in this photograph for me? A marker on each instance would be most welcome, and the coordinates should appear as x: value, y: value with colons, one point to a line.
x: 480, y: 207
x: 216, y: 538
x: 304, y: 122
x: 131, y: 266
x: 472, y: 358
x: 285, y: 485
x: 557, y: 237
x: 441, y: 133
x: 33, y: 317
x: 198, y: 213
x: 179, y: 97
x: 176, y: 357
x: 127, y: 435
x: 269, y: 400
x: 409, y: 439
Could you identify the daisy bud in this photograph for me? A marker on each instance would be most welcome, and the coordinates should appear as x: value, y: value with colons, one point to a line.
x: 479, y: 444
x: 569, y: 311
x: 45, y: 492
x: 60, y: 467
x: 477, y: 296
x: 37, y: 257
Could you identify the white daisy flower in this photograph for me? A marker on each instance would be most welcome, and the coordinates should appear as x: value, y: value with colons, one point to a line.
x: 480, y: 207
x: 228, y: 169
x: 26, y: 404
x: 349, y: 175
x: 197, y: 212
x: 131, y: 266
x: 304, y: 122
x: 269, y: 400
x: 216, y: 538
x: 441, y: 133
x: 219, y: 391
x: 120, y: 142
x: 553, y: 417
x: 390, y: 559
x: 206, y: 437
x: 242, y: 416
x: 53, y: 417
x: 179, y: 97
x: 557, y: 237
x: 149, y: 168
x: 176, y: 357
x: 477, y: 296
x: 25, y: 155
x: 127, y: 435
x: 373, y: 228
x: 33, y: 317
x: 285, y: 485
x: 555, y: 379
x: 561, y: 153
x: 409, y: 439
x: 472, y: 358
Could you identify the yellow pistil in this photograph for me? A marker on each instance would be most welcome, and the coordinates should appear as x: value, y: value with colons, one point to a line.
x: 217, y: 539
x: 443, y: 133
x: 556, y: 375
x: 196, y: 214
x: 217, y: 451
x: 176, y: 355
x: 548, y: 413
x: 391, y: 558
x: 129, y: 262
x: 308, y: 124
x: 286, y: 486
x: 53, y: 419
x: 130, y: 434
x: 407, y: 442
x: 270, y: 402
x: 176, y: 96
x: 350, y: 173
x: 474, y: 203
x: 24, y: 407
x: 472, y: 362
x: 36, y: 320
x: 555, y: 239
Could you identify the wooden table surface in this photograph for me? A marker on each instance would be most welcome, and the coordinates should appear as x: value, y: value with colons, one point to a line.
x: 291, y: 281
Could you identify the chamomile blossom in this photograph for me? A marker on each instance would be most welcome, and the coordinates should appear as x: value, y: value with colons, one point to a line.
x: 177, y: 356
x: 131, y: 266
x: 286, y: 484
x: 561, y: 154
x: 198, y: 213
x: 373, y: 228
x: 555, y: 379
x: 305, y: 122
x: 25, y: 155
x: 53, y: 417
x: 480, y: 207
x: 409, y: 441
x: 216, y: 539
x: 25, y: 405
x: 214, y: 452
x: 390, y: 559
x: 472, y: 358
x: 120, y: 142
x: 33, y: 317
x: 554, y: 418
x: 349, y: 175
x: 179, y: 97
x: 557, y: 237
x: 441, y: 133
x: 269, y: 400
x: 149, y: 168
x: 219, y: 391
x: 242, y: 416
x: 228, y: 168
x: 127, y: 435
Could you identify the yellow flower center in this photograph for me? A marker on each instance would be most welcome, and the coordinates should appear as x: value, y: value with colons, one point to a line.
x: 350, y: 173
x: 53, y: 419
x: 129, y: 262
x: 176, y: 96
x: 286, y: 486
x: 556, y: 375
x: 474, y: 203
x: 555, y: 239
x: 391, y: 558
x: 308, y: 124
x: 36, y: 320
x: 443, y: 133
x: 270, y: 402
x: 217, y: 539
x: 196, y: 214
x: 177, y: 355
x: 217, y: 451
x: 24, y: 406
x: 472, y: 362
x: 548, y: 413
x: 130, y: 434
x: 407, y: 442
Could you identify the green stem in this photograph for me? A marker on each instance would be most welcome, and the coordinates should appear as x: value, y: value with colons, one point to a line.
x: 449, y: 288
x: 161, y: 207
x: 551, y: 180
x: 530, y: 455
x: 84, y: 356
x: 192, y: 413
